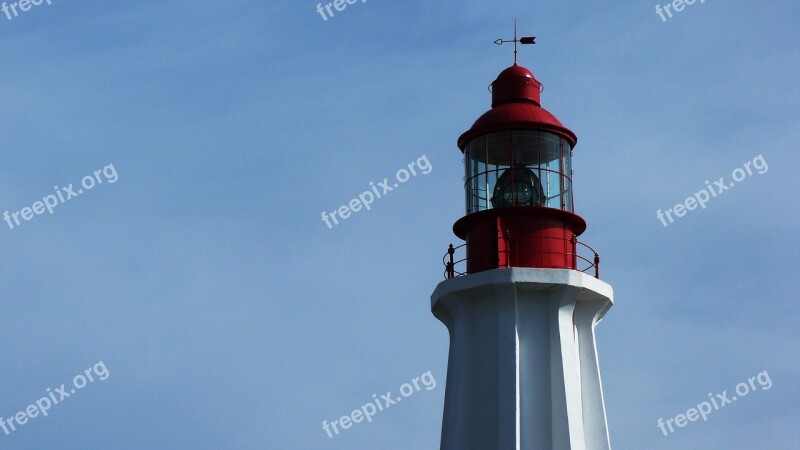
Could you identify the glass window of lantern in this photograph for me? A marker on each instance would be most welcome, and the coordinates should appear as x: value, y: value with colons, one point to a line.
x: 499, y: 156
x: 566, y: 158
x: 518, y: 168
x: 526, y: 174
x: 550, y: 169
x: 467, y: 176
x: 475, y: 183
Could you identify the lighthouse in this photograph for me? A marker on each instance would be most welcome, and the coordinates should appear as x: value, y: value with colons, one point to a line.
x: 522, y: 295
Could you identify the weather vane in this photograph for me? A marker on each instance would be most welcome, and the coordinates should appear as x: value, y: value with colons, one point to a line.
x: 523, y: 40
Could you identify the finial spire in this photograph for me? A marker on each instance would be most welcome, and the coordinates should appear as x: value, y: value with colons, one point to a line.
x: 523, y: 40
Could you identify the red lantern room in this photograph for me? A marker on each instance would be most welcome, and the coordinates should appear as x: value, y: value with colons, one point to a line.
x: 518, y: 186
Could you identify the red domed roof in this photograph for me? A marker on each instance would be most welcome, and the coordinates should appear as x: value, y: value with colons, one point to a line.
x: 515, y: 84
x: 516, y: 105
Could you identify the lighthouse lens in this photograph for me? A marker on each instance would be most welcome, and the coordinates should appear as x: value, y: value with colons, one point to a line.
x: 517, y: 187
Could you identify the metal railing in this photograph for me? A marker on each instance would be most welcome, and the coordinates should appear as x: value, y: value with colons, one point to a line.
x: 452, y: 265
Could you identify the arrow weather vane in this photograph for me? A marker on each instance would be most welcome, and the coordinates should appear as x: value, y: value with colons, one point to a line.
x: 523, y: 40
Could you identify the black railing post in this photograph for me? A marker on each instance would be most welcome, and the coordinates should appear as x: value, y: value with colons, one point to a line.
x: 574, y: 242
x: 450, y: 268
x: 596, y: 266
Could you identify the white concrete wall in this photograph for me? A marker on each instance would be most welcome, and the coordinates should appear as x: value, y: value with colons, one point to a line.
x: 523, y: 371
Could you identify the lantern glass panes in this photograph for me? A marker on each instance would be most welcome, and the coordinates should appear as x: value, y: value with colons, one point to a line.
x: 518, y: 168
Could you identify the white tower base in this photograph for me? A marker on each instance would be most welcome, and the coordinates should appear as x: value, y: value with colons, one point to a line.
x: 523, y: 371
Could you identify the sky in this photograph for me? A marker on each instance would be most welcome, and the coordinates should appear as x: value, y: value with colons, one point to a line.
x: 193, y: 296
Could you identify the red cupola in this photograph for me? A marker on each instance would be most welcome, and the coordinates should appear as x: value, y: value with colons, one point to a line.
x: 518, y: 185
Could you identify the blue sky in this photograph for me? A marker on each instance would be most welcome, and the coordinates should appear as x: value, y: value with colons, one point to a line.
x: 229, y: 316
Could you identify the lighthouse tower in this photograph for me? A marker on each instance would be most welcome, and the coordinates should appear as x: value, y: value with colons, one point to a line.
x: 522, y: 296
